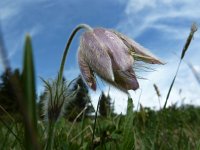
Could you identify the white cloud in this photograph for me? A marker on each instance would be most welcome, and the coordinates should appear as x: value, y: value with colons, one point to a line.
x: 10, y: 12
x: 141, y: 15
x: 10, y: 9
x: 119, y: 98
x: 163, y: 78
x: 17, y: 43
x: 71, y: 73
x: 35, y: 30
x: 139, y: 5
x: 6, y: 13
x: 197, y: 68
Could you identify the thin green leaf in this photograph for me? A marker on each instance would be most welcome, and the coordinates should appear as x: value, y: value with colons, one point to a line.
x: 28, y: 76
x: 29, y: 101
x: 128, y: 133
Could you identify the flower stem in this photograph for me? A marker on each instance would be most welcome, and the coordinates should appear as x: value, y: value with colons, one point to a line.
x: 50, y: 138
x: 94, y: 125
x: 80, y: 26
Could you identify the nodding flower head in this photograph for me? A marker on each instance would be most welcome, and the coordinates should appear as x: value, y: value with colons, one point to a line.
x: 111, y: 56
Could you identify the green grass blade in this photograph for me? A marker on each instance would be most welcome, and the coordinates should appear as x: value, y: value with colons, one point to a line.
x: 29, y: 101
x: 128, y: 133
x: 28, y: 79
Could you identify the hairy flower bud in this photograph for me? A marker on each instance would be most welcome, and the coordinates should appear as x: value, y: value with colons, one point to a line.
x: 57, y: 94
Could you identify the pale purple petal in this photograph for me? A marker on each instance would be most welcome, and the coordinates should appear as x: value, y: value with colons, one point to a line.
x: 126, y: 79
x: 138, y: 49
x: 96, y: 56
x: 86, y: 72
x: 117, y: 50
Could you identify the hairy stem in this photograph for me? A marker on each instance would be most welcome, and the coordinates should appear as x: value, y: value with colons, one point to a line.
x: 80, y: 26
x: 94, y: 125
x: 50, y: 138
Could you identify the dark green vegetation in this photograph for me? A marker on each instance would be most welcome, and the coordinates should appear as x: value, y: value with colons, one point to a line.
x: 173, y: 128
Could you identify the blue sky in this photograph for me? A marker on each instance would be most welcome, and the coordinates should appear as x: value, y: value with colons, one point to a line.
x: 160, y: 26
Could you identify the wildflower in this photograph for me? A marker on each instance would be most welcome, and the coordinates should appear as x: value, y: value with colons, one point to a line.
x: 111, y: 55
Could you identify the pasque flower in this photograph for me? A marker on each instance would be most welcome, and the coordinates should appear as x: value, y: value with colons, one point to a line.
x: 111, y: 55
